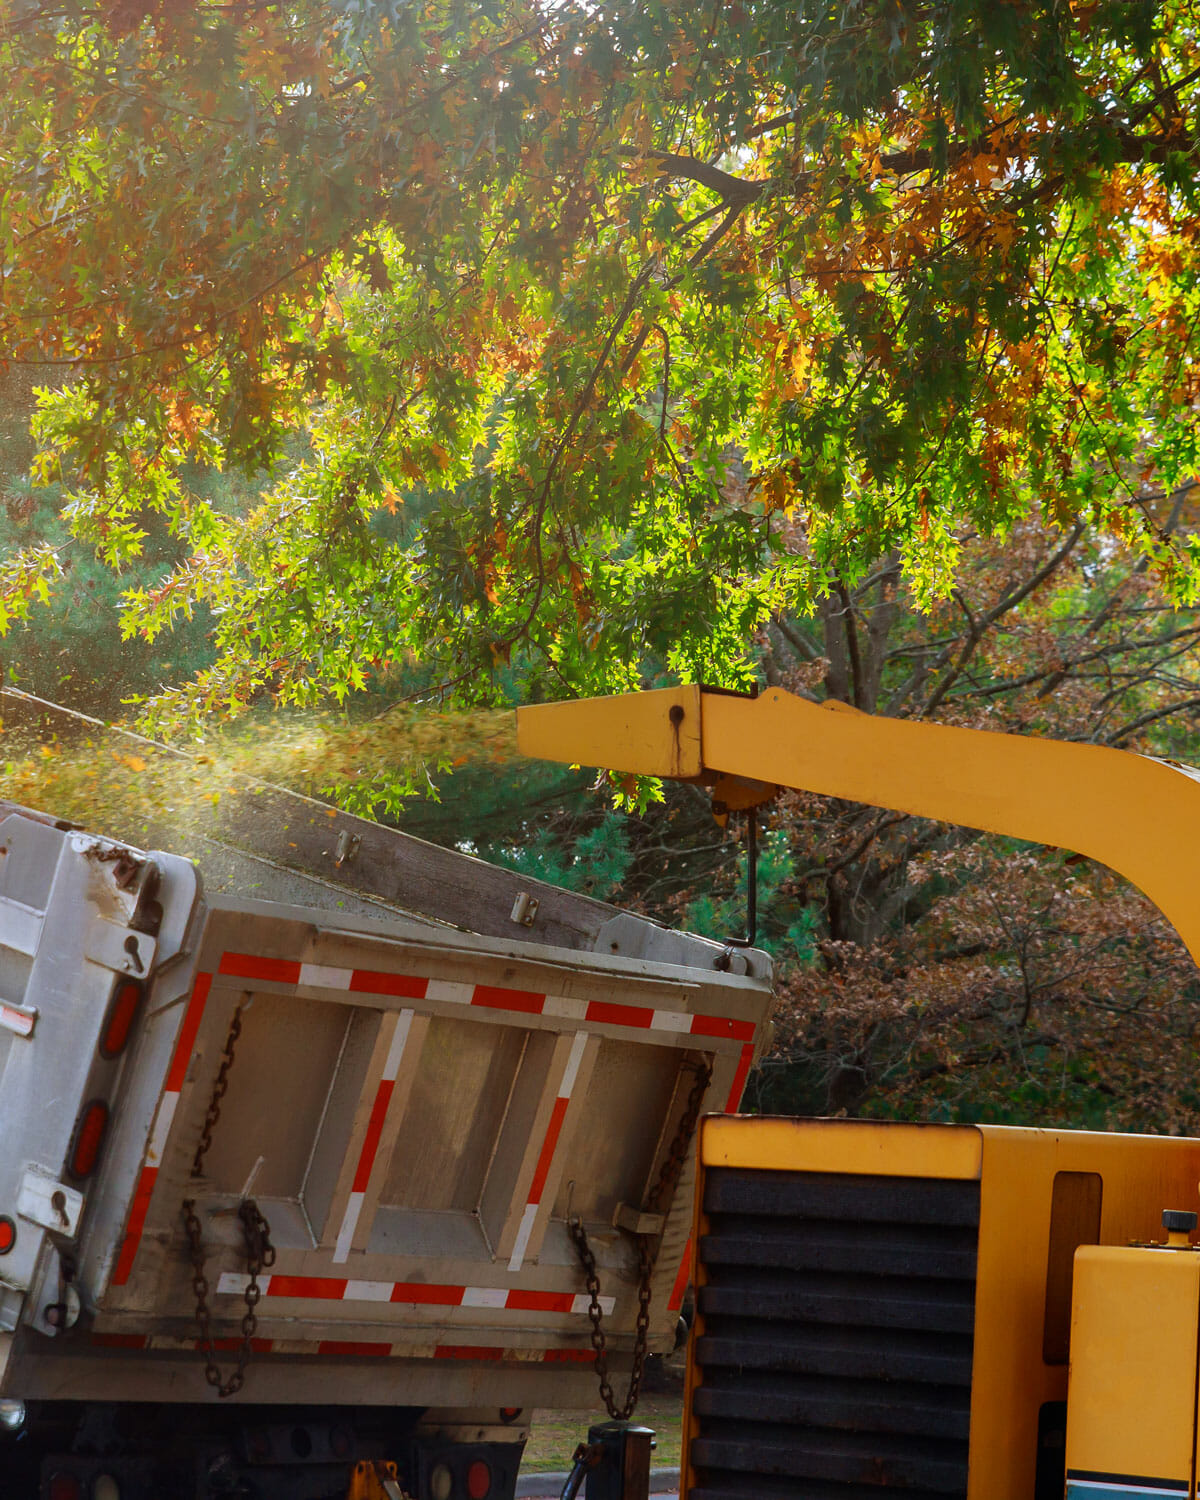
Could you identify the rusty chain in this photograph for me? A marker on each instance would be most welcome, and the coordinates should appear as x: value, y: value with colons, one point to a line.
x: 260, y: 1256
x: 659, y: 1200
x: 218, y: 1093
x: 256, y: 1233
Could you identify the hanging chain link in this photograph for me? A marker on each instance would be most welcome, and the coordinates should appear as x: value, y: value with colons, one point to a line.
x: 260, y: 1256
x: 218, y: 1093
x: 256, y: 1233
x: 659, y: 1201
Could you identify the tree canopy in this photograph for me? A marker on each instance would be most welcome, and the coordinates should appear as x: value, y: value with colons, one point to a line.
x: 558, y: 334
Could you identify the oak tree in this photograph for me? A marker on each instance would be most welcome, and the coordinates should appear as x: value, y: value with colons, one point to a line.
x: 561, y: 334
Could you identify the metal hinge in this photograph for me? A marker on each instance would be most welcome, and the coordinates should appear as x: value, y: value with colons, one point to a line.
x: 525, y: 909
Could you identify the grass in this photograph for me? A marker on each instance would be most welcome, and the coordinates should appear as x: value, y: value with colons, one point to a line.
x: 554, y: 1435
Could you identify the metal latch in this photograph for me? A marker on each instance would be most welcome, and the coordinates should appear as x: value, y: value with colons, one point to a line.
x: 636, y: 1221
x: 525, y: 909
x: 346, y: 848
x: 45, y: 1201
x: 119, y: 949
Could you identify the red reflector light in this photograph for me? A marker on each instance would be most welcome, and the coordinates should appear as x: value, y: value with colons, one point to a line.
x: 8, y: 1234
x: 89, y: 1137
x: 121, y: 1012
x: 479, y: 1480
x: 65, y: 1486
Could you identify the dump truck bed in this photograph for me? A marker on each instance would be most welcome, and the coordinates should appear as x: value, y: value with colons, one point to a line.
x: 416, y: 1110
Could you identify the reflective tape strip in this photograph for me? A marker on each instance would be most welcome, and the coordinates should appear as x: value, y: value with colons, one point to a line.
x: 164, y: 1117
x: 672, y: 1020
x: 370, y: 1145
x: 723, y: 1026
x: 137, y: 1223
x: 187, y: 1033
x: 739, y: 1078
x: 571, y: 1071
x: 566, y: 1007
x: 486, y: 996
x: 341, y: 1250
x: 362, y: 1291
x: 484, y: 1296
x: 675, y: 1300
x: 254, y: 966
x: 409, y: 986
x: 546, y: 1156
x: 120, y: 1340
x: 410, y: 1293
x: 449, y: 991
x: 524, y: 1230
x: 324, y: 978
x: 391, y: 1065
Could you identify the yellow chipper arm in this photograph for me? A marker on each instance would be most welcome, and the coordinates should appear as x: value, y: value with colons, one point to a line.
x: 949, y: 1310
x: 1138, y: 815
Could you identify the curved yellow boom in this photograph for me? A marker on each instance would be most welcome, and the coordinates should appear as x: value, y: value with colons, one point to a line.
x: 1139, y: 816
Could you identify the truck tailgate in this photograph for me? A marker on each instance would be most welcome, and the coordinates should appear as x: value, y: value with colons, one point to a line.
x: 417, y: 1114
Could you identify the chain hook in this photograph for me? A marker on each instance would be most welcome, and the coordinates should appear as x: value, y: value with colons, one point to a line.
x: 664, y: 1188
x: 256, y: 1235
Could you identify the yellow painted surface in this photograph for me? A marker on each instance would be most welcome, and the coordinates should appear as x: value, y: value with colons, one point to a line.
x: 781, y: 1144
x: 633, y: 732
x: 693, y: 1374
x: 1132, y: 1401
x: 1142, y: 1175
x: 1139, y: 816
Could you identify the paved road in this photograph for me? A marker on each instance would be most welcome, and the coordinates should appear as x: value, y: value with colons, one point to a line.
x: 550, y: 1485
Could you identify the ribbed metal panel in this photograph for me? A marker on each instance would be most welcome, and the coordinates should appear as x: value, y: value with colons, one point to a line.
x: 835, y: 1357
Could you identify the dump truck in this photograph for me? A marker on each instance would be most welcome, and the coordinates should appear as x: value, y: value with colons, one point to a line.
x: 939, y: 1312
x: 332, y: 1189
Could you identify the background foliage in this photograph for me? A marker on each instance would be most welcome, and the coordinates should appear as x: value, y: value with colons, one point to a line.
x: 395, y: 352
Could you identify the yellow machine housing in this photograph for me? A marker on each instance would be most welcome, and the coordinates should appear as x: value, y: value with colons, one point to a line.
x: 1131, y: 1413
x: 889, y: 1305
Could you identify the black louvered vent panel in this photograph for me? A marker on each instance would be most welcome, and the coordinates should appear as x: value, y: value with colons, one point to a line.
x: 835, y: 1358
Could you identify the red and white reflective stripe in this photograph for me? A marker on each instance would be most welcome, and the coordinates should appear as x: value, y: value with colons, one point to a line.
x: 675, y: 1300
x: 19, y: 1018
x: 739, y: 1078
x: 411, y: 1293
x: 370, y: 1145
x: 488, y: 996
x: 161, y: 1128
x: 546, y: 1156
